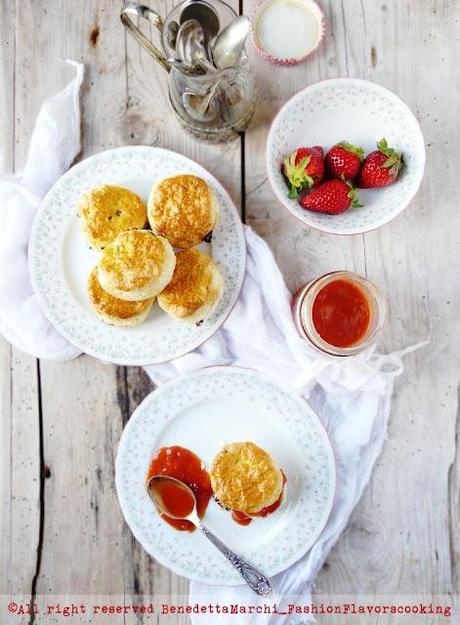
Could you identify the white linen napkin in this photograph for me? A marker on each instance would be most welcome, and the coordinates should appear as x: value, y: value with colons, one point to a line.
x: 352, y: 398
x: 54, y: 144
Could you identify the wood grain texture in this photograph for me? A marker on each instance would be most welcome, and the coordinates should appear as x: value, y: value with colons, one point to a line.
x: 19, y: 397
x: 403, y: 538
x: 416, y: 260
x: 80, y: 428
x: 398, y: 541
x: 121, y: 105
x: 20, y: 472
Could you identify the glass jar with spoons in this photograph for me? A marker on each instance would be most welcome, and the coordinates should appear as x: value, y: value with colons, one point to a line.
x: 211, y: 88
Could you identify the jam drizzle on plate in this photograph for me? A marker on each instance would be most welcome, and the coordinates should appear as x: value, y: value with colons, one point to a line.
x: 184, y: 465
x: 245, y: 519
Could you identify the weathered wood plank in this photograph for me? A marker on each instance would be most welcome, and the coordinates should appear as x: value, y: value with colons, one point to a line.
x: 6, y: 166
x: 19, y: 405
x: 7, y: 68
x: 96, y: 397
x: 82, y: 547
x: 82, y: 518
x: 416, y: 260
x: 5, y: 464
x: 387, y: 43
x: 20, y: 471
x: 403, y: 537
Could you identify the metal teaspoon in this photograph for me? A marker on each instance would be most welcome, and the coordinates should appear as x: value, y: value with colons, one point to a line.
x: 251, y: 575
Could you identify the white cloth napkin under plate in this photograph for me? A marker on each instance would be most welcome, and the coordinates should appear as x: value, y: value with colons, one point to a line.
x: 352, y: 398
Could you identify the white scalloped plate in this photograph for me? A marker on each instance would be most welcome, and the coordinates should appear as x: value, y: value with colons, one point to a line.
x: 202, y: 411
x: 60, y: 260
x: 361, y: 112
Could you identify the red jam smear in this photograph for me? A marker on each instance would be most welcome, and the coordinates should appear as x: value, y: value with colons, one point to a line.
x: 177, y: 501
x: 244, y: 519
x: 241, y: 518
x: 341, y: 313
x: 184, y: 465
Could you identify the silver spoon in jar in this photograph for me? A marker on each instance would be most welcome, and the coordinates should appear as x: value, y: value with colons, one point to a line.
x: 186, y: 69
x: 156, y: 488
x: 191, y: 46
x: 203, y: 13
x: 190, y: 42
x: 229, y: 44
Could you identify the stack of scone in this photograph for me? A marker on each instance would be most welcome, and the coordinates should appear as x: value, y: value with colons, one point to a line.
x: 138, y: 263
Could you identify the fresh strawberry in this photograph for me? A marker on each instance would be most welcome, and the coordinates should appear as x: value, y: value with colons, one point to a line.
x: 381, y: 167
x: 303, y: 169
x: 344, y: 159
x: 331, y: 197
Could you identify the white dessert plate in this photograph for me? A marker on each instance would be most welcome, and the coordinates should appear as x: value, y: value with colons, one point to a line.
x: 202, y: 411
x: 60, y: 259
x: 362, y: 113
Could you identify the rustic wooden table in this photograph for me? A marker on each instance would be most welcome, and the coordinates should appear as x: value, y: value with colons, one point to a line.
x: 61, y: 526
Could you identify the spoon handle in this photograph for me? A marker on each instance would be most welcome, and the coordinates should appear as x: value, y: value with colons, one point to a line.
x: 252, y: 576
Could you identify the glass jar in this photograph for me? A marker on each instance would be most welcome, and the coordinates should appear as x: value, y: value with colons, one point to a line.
x: 214, y: 106
x: 303, y: 311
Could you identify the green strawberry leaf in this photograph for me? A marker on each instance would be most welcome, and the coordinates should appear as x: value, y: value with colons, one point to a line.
x: 296, y: 175
x: 391, y: 160
x: 293, y: 193
x: 349, y: 147
x: 394, y: 161
x: 383, y: 145
x: 355, y: 203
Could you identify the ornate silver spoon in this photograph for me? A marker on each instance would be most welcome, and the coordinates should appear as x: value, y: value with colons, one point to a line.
x: 156, y: 490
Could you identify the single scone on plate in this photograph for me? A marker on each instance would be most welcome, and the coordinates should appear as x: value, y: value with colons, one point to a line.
x: 115, y: 311
x: 195, y: 289
x: 183, y: 209
x: 108, y: 210
x: 246, y: 480
x: 136, y: 266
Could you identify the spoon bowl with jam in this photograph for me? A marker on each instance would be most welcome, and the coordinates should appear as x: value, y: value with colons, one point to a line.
x: 177, y: 500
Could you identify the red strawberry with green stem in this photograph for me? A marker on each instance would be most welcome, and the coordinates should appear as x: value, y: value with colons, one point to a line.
x: 344, y: 159
x: 381, y: 167
x: 303, y: 169
x: 332, y: 197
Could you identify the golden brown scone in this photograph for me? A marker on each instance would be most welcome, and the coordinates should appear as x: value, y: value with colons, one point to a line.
x: 116, y: 311
x: 183, y: 209
x: 245, y: 478
x: 107, y: 211
x: 137, y: 265
x: 195, y: 289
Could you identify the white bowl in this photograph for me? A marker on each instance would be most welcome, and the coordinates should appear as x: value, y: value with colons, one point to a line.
x: 360, y: 112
